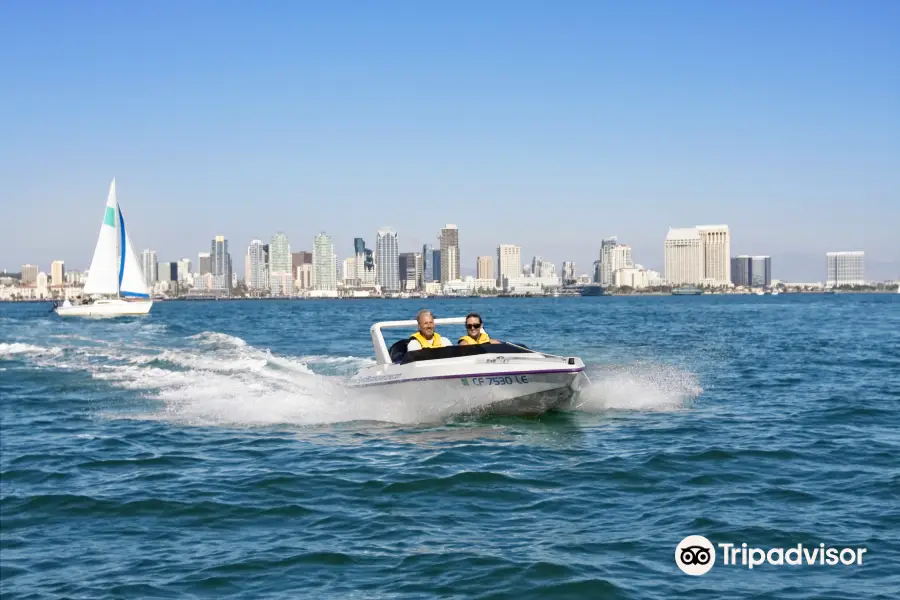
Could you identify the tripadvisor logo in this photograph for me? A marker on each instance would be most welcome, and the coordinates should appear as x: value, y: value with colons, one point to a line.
x: 696, y: 555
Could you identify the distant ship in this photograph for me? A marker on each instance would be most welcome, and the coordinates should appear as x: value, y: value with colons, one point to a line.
x: 593, y: 290
x: 686, y: 290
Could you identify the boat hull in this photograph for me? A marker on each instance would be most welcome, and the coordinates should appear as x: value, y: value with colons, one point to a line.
x: 106, y: 308
x: 509, y: 393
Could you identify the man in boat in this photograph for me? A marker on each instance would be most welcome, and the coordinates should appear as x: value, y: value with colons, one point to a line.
x: 426, y: 336
x: 475, y: 333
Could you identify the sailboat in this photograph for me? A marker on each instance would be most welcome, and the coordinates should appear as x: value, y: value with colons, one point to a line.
x: 115, y: 279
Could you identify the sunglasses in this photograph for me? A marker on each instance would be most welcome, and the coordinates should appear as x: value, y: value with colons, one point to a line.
x: 472, y: 325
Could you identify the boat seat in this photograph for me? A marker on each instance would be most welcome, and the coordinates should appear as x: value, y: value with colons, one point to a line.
x: 398, y: 350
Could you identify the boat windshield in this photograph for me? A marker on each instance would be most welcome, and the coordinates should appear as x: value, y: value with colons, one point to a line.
x: 399, y: 355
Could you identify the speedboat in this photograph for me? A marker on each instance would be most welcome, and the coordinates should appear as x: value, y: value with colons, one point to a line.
x: 502, y: 378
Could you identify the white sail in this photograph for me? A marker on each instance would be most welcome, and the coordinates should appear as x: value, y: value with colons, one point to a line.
x: 131, y: 277
x: 103, y: 277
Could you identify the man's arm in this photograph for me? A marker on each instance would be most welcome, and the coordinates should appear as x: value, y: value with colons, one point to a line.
x: 413, y: 345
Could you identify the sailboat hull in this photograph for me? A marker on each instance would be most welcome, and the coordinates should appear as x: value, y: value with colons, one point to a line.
x: 107, y: 308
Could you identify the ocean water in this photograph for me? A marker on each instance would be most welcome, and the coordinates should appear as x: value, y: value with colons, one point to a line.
x: 210, y: 449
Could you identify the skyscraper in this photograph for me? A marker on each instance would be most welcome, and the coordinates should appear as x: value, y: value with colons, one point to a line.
x: 485, y: 268
x: 150, y: 267
x: 568, y: 273
x: 279, y: 254
x: 683, y: 256
x: 760, y: 271
x: 509, y: 262
x: 436, y: 264
x: 613, y: 256
x: 716, y: 243
x: 699, y: 255
x: 845, y: 268
x: 364, y: 264
x: 427, y: 264
x: 449, y: 253
x: 410, y: 270
x: 281, y: 280
x: 184, y: 269
x: 204, y: 263
x: 257, y: 277
x: 324, y: 273
x: 387, y: 260
x: 751, y: 271
x: 542, y: 268
x: 29, y: 274
x: 740, y: 270
x: 220, y: 263
x: 299, y: 259
x: 58, y: 273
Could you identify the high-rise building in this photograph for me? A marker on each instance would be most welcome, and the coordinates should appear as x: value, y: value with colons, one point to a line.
x: 485, y: 268
x: 716, y: 243
x: 204, y: 263
x: 427, y: 264
x: 699, y: 255
x: 845, y: 268
x: 304, y: 276
x: 684, y: 256
x: 387, y: 260
x: 349, y: 272
x: 257, y: 276
x: 168, y: 272
x: 542, y: 268
x: 410, y: 268
x: 58, y: 273
x: 568, y: 273
x: 281, y: 281
x: 184, y: 269
x: 449, y: 253
x: 760, y: 271
x: 740, y: 270
x: 300, y: 258
x: 220, y: 263
x: 613, y: 256
x: 279, y: 254
x: 324, y: 273
x: 509, y: 262
x: 150, y: 267
x: 29, y: 274
x: 364, y: 263
x: 436, y: 264
x: 751, y: 271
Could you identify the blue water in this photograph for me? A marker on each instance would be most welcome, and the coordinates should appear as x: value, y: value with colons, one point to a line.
x: 210, y: 450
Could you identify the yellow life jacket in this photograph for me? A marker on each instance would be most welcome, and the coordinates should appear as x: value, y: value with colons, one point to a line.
x: 434, y: 342
x: 482, y: 339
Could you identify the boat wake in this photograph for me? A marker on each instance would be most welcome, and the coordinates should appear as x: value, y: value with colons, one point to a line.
x: 216, y: 379
x: 638, y: 387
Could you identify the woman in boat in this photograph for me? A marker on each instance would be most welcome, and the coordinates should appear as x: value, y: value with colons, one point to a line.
x: 475, y: 333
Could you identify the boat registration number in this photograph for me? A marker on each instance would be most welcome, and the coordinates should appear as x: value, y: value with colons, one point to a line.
x: 502, y: 380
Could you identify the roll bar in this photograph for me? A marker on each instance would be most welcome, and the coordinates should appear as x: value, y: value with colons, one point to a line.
x: 382, y: 356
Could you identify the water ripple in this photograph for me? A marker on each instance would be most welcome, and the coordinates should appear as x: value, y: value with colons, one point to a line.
x: 210, y: 449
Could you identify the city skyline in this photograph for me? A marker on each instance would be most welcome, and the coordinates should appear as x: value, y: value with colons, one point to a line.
x: 714, y: 261
x: 550, y: 129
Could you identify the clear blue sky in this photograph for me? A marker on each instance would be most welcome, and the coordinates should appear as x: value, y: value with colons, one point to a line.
x: 548, y: 125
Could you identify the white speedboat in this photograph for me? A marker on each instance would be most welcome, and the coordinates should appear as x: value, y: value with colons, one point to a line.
x: 504, y: 378
x: 115, y: 281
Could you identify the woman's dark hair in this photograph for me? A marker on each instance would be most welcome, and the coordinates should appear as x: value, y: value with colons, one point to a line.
x: 476, y: 315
